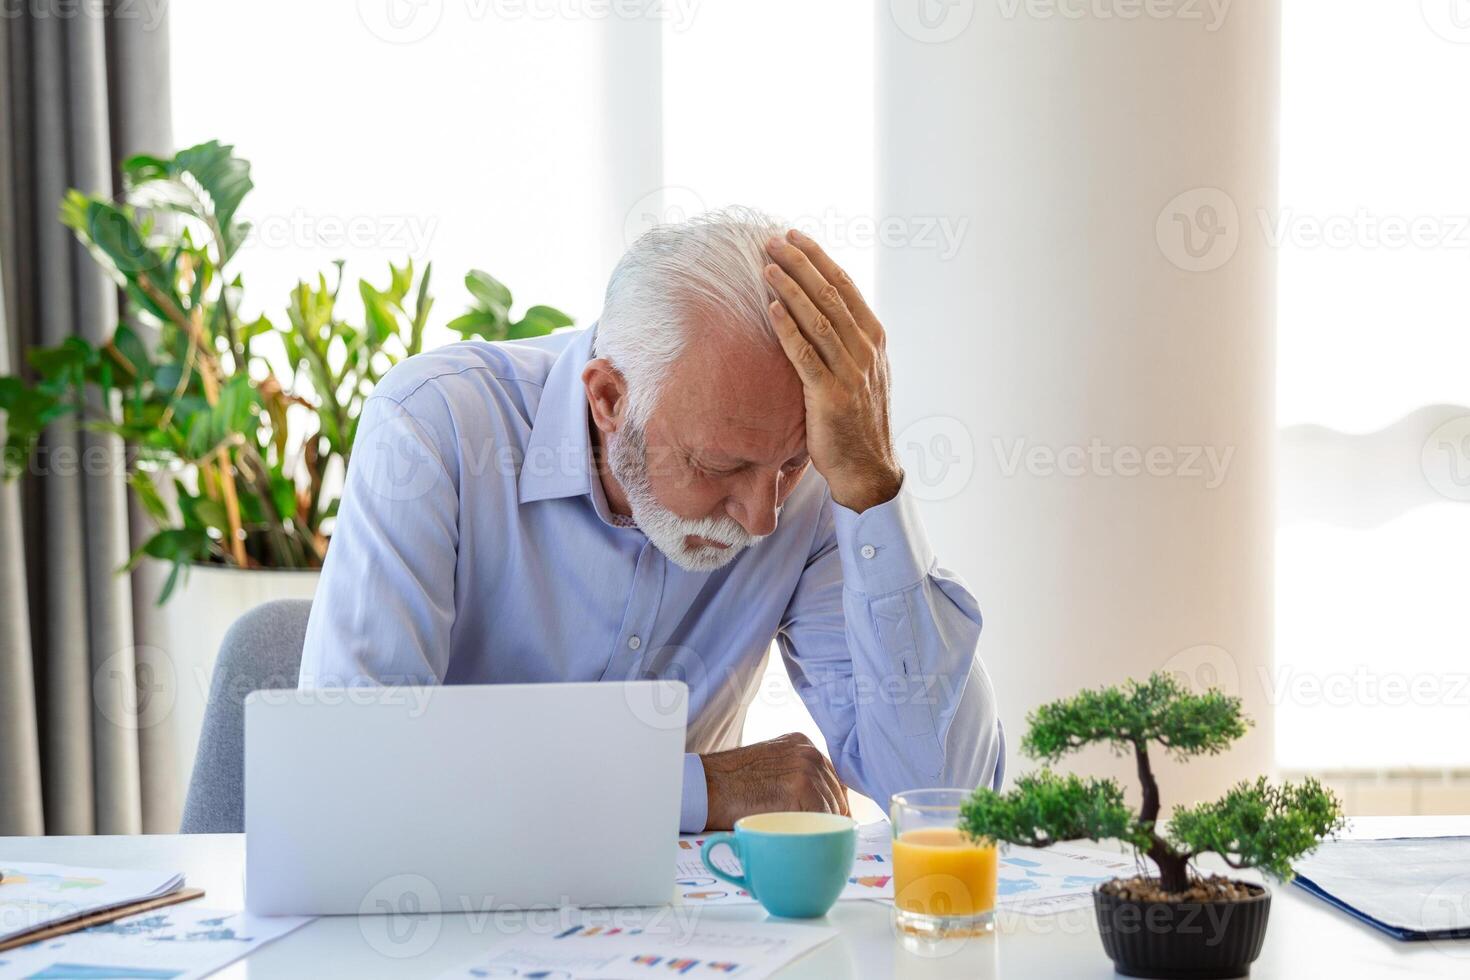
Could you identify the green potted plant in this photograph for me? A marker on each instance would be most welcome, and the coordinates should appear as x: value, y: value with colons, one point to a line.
x: 237, y: 429
x: 1179, y: 922
x: 246, y: 418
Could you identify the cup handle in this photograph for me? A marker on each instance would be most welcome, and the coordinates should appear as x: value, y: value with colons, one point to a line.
x: 710, y: 843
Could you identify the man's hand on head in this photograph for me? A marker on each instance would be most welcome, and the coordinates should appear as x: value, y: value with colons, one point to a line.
x: 836, y: 344
x: 783, y: 774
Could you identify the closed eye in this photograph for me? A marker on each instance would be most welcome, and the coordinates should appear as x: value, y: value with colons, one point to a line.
x: 794, y: 465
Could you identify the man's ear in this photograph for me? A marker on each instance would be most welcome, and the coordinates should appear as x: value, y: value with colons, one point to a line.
x: 607, y: 394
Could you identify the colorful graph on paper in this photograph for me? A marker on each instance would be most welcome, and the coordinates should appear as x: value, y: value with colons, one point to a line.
x: 182, y: 942
x: 871, y: 870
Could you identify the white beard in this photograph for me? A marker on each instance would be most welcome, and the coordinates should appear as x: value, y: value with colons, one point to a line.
x: 628, y: 461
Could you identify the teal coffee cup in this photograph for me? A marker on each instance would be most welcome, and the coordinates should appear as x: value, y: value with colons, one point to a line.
x: 795, y: 864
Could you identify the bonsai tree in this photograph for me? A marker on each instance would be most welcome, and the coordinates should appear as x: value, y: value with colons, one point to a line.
x: 1254, y: 825
x: 241, y: 419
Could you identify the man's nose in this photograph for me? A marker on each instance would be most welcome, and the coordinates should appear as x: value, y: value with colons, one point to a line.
x: 754, y: 506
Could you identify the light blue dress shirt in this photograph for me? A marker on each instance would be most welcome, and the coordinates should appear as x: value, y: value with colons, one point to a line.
x: 474, y: 545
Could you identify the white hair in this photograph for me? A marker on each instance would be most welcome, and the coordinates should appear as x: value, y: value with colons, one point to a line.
x: 707, y: 268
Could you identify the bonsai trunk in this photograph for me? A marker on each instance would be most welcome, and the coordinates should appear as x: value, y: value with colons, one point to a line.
x: 1173, y: 867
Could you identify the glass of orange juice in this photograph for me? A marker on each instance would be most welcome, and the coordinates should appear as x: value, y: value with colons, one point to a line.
x: 943, y: 880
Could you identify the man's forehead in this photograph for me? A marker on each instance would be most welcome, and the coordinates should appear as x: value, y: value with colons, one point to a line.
x: 729, y: 398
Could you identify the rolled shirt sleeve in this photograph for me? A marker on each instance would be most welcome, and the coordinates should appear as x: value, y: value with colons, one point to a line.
x: 881, y: 644
x: 694, y: 811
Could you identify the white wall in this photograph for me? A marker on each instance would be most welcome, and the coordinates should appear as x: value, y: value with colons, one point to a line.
x: 1074, y: 320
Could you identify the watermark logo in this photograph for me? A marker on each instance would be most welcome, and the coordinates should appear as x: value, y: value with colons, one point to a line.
x: 1208, y: 464
x: 1445, y: 459
x: 136, y: 687
x: 1365, y: 229
x: 1205, y: 667
x: 1447, y: 906
x: 1209, y: 13
x: 941, y: 234
x: 1450, y: 19
x: 149, y: 12
x: 398, y: 916
x: 401, y: 467
x: 932, y: 21
x: 664, y: 206
x: 409, y: 233
x: 938, y: 457
x: 663, y: 706
x: 400, y: 21
x: 1199, y: 230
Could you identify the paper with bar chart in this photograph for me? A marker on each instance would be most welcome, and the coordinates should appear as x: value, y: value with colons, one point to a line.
x: 872, y: 870
x: 1059, y: 878
x: 665, y: 942
x: 36, y: 895
x: 178, y: 942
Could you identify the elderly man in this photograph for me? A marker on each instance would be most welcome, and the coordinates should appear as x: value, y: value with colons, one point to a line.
x: 706, y: 468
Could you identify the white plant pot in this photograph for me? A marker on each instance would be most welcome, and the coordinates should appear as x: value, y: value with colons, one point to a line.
x: 179, y: 642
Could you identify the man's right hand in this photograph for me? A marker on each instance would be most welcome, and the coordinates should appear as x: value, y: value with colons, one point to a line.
x: 786, y: 773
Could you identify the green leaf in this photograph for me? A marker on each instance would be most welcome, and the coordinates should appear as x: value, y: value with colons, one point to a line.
x: 142, y: 167
x: 479, y: 323
x: 121, y: 249
x: 176, y: 544
x: 1159, y: 710
x: 212, y: 513
x: 400, y: 281
x: 382, y: 323
x: 488, y: 291
x: 151, y: 500
x: 551, y: 315
x: 1045, y: 808
x: 238, y: 402
x: 132, y: 348
x: 222, y: 179
x: 168, y: 585
x: 112, y: 234
x: 166, y: 377
x: 284, y: 493
x: 199, y: 438
x: 1258, y: 825
x: 70, y: 357
x: 538, y: 321
x: 255, y: 328
x: 27, y: 411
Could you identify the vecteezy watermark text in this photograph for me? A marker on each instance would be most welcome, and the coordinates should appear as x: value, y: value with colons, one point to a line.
x: 1209, y: 13
x: 1098, y: 459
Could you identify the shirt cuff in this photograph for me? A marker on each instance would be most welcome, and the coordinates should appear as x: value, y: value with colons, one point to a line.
x: 695, y: 809
x: 883, y: 549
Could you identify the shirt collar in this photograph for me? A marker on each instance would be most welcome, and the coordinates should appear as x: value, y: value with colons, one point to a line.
x: 558, y: 461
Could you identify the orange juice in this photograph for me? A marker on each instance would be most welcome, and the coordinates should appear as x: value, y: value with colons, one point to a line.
x: 940, y: 871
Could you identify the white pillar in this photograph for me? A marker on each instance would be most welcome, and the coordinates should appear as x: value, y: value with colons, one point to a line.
x: 1092, y: 323
x: 632, y: 136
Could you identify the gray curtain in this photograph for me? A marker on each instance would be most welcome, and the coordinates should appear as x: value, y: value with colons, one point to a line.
x: 82, y: 89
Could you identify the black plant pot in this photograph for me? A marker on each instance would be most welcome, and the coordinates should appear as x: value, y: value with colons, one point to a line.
x: 1183, y: 940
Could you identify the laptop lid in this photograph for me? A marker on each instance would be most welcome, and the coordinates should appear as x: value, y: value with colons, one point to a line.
x: 366, y: 800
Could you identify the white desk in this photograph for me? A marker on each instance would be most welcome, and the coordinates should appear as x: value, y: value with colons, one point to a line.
x: 1306, y: 939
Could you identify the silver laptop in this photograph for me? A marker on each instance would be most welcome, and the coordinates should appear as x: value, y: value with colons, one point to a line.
x: 462, y: 798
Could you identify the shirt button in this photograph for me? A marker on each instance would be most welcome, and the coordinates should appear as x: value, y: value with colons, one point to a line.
x: 634, y: 642
x: 868, y: 551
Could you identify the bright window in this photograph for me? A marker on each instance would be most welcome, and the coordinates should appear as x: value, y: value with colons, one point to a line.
x: 1374, y: 230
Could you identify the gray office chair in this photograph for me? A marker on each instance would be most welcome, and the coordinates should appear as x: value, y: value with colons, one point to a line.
x: 261, y: 652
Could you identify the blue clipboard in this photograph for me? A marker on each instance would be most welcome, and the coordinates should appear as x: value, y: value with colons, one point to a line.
x: 1410, y: 888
